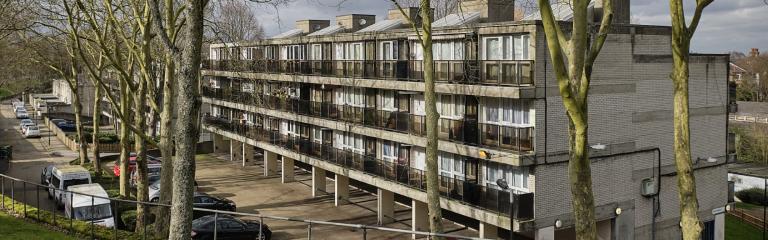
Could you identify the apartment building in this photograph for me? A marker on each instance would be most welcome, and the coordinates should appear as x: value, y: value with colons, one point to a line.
x: 348, y: 100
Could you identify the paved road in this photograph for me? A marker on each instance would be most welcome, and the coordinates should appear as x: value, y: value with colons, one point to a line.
x: 30, y: 156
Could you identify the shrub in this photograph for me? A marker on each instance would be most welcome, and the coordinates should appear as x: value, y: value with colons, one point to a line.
x: 129, y: 220
x: 752, y: 196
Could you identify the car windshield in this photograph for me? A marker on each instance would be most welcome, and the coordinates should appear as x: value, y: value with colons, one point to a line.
x: 33, y: 128
x: 96, y: 212
x: 73, y: 182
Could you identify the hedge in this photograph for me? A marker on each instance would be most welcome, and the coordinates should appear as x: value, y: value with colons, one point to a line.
x: 752, y: 196
x: 81, y: 228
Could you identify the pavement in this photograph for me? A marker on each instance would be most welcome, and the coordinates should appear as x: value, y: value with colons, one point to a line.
x: 255, y: 193
x: 30, y: 156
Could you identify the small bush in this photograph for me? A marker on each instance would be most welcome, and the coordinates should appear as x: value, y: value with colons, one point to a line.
x: 752, y: 196
x: 129, y: 220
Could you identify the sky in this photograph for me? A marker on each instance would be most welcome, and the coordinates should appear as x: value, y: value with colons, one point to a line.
x: 727, y: 25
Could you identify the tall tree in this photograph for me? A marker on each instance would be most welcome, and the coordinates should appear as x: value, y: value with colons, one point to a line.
x: 235, y: 21
x: 430, y: 100
x: 572, y: 61
x: 686, y: 182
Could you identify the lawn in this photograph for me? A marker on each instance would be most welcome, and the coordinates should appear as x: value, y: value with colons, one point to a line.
x: 735, y: 229
x: 14, y: 228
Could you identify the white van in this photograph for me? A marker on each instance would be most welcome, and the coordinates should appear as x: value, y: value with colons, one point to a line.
x: 87, y: 207
x: 64, y: 176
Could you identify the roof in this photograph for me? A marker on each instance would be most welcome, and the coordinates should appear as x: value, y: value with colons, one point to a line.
x: 383, y: 25
x: 457, y: 19
x: 333, y: 29
x: 561, y: 9
x: 290, y: 33
x: 749, y: 169
x: 93, y: 189
x: 63, y: 169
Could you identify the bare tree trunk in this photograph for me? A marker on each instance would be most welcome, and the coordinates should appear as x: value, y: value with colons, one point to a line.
x: 82, y: 141
x: 125, y: 141
x: 142, y: 191
x: 686, y: 181
x: 187, y: 124
x: 96, y: 130
x: 430, y: 100
x: 166, y: 147
x: 580, y: 175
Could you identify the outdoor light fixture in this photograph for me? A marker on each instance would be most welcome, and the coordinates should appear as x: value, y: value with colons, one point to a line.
x: 618, y: 211
x: 485, y: 154
x: 558, y: 223
x: 598, y: 146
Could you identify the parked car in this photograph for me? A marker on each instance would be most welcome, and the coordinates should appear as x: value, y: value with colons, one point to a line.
x: 45, y: 175
x: 67, y: 126
x: 64, y: 176
x: 154, y: 191
x: 22, y: 114
x: 228, y: 227
x: 79, y: 204
x: 203, y: 200
x: 56, y: 121
x: 153, y: 173
x: 31, y: 131
x: 19, y: 108
x: 132, y: 164
x: 25, y: 122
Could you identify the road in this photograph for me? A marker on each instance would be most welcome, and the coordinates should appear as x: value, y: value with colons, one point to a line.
x: 30, y: 156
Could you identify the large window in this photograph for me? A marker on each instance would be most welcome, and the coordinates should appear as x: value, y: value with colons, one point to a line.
x: 292, y: 52
x: 441, y: 50
x: 506, y: 47
x: 350, y: 141
x: 450, y: 106
x: 388, y: 100
x: 389, y: 150
x: 317, y: 52
x: 506, y: 111
x: 451, y: 166
x: 387, y: 50
x: 352, y: 96
x: 516, y: 177
x: 349, y: 51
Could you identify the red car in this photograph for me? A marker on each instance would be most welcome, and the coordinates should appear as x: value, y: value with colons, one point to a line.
x: 132, y: 164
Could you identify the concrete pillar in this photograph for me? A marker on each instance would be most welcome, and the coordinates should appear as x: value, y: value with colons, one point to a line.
x: 270, y: 163
x: 547, y: 233
x: 419, y: 217
x: 318, y: 181
x: 720, y: 226
x: 341, y: 190
x: 386, y: 206
x: 248, y: 154
x: 218, y: 143
x: 488, y: 231
x: 287, y: 169
x: 235, y: 150
x: 624, y: 225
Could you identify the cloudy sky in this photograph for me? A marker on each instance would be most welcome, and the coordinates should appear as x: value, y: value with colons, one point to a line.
x: 727, y: 25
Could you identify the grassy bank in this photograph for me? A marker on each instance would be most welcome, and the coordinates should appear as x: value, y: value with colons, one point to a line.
x: 14, y: 228
x: 735, y: 229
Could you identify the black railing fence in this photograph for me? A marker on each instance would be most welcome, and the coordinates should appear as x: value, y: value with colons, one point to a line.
x: 15, y: 194
x: 470, y: 193
x: 489, y: 72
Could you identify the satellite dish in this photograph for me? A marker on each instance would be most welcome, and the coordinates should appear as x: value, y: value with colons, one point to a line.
x: 362, y: 21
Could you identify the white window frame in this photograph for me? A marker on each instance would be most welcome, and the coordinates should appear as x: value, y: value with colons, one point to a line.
x: 316, y: 55
x: 511, y: 47
x: 501, y: 108
x: 516, y: 177
x: 389, y: 150
x: 451, y: 170
x: 388, y: 100
x: 392, y: 51
x: 349, y: 141
x: 455, y: 106
x: 247, y: 87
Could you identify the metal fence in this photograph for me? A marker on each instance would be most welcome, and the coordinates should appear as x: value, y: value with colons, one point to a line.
x: 30, y: 207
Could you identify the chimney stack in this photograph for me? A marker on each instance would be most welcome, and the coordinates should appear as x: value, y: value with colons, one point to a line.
x: 310, y: 26
x: 490, y: 10
x: 754, y: 53
x: 355, y: 22
x: 620, y: 11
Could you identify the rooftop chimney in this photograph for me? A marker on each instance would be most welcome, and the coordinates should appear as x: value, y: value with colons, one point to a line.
x: 490, y: 10
x: 754, y: 53
x: 355, y: 22
x: 620, y: 11
x: 309, y: 26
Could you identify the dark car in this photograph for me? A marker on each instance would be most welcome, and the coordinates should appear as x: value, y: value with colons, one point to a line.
x: 203, y: 200
x: 228, y: 227
x: 67, y: 126
x: 45, y: 175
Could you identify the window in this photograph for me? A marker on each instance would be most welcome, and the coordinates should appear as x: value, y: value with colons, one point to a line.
x: 506, y: 47
x: 389, y: 150
x: 516, y: 177
x: 419, y: 106
x: 388, y: 100
x: 317, y: 52
x: 350, y: 96
x: 350, y: 141
x: 451, y: 166
x: 506, y: 111
x: 388, y: 50
x: 215, y: 83
x: 290, y: 128
x: 317, y: 135
x: 450, y: 106
x: 247, y: 87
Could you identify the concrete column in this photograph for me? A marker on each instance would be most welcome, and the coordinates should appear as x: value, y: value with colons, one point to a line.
x: 720, y: 226
x: 341, y: 189
x: 218, y: 143
x: 248, y: 154
x: 235, y: 150
x: 547, y: 233
x: 270, y: 163
x: 419, y: 217
x: 386, y: 206
x: 624, y: 225
x: 488, y: 231
x: 318, y: 181
x: 287, y: 169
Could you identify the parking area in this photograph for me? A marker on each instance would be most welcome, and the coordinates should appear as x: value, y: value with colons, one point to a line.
x: 255, y: 193
x: 30, y: 155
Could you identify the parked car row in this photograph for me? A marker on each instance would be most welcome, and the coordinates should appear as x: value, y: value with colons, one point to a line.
x: 27, y: 126
x: 19, y: 109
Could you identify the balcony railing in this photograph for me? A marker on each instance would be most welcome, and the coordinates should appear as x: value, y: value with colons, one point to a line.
x: 466, y: 192
x: 458, y: 130
x: 490, y: 72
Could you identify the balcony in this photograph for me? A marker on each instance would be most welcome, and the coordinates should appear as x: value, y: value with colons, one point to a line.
x: 464, y: 131
x: 486, y: 72
x: 467, y: 192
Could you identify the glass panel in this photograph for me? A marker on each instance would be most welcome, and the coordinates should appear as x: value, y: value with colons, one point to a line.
x: 525, y: 73
x: 492, y: 49
x: 509, y: 71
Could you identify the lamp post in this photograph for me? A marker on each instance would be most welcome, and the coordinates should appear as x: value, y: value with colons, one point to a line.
x: 505, y: 186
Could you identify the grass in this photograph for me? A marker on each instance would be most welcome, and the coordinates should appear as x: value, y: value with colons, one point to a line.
x: 14, y: 228
x: 4, y: 92
x: 735, y: 229
x: 747, y: 206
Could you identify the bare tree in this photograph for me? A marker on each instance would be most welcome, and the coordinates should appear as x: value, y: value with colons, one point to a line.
x: 573, y: 59
x: 235, y: 21
x: 682, y: 33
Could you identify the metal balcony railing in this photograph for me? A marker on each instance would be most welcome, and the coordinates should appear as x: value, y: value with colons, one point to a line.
x: 468, y: 192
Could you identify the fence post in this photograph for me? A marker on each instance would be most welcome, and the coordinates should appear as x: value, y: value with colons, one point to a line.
x: 116, y: 217
x: 37, y: 192
x: 13, y: 198
x: 24, y: 186
x: 3, y: 191
x: 71, y: 224
x: 92, y: 216
x: 215, y: 225
x: 144, y: 217
x: 309, y: 231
